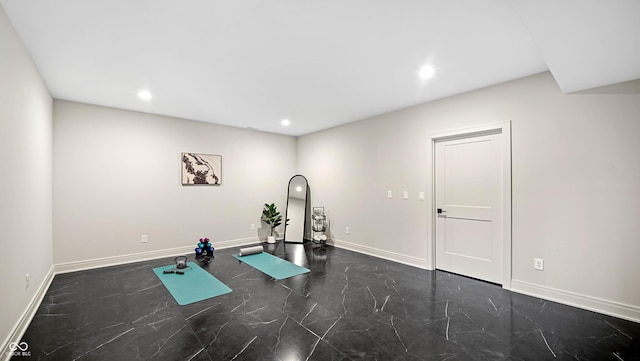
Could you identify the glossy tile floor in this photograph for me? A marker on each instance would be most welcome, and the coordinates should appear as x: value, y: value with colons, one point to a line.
x: 349, y: 307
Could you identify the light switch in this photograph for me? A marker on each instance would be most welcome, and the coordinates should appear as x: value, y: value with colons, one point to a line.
x: 389, y: 194
x: 538, y: 263
x: 421, y: 196
x: 405, y: 195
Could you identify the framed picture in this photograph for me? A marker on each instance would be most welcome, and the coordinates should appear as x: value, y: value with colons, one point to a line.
x: 203, y: 169
x: 318, y: 223
x: 318, y: 212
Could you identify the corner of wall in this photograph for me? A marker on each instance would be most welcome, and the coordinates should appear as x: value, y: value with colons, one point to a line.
x: 25, y: 318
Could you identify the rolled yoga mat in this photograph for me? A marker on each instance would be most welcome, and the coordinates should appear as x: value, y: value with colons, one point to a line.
x: 251, y: 250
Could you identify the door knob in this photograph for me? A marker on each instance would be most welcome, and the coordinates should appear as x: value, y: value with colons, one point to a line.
x: 440, y: 211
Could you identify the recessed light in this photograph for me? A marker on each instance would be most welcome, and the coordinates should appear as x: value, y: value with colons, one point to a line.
x: 144, y: 94
x: 426, y: 72
x: 285, y: 122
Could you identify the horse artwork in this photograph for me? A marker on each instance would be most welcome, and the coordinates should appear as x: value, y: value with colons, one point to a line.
x: 201, y: 169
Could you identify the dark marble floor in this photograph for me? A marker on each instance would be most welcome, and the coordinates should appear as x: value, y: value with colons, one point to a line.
x: 349, y: 307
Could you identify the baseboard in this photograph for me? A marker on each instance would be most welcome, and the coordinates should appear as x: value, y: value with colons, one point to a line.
x: 143, y: 256
x: 611, y: 308
x: 237, y: 242
x: 25, y: 319
x: 118, y: 260
x: 381, y: 253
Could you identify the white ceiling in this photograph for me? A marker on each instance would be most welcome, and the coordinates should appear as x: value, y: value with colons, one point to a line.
x: 252, y: 63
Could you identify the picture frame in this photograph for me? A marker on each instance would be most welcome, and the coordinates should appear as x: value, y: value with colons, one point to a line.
x: 201, y: 169
x: 318, y: 223
x: 318, y: 212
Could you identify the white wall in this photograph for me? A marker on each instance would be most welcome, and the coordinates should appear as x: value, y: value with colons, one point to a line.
x: 117, y: 177
x: 575, y: 174
x: 25, y: 180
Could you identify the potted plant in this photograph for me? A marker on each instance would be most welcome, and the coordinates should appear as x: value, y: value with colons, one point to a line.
x: 273, y: 218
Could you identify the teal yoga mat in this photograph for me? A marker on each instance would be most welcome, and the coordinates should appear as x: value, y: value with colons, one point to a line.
x: 194, y: 285
x: 272, y: 265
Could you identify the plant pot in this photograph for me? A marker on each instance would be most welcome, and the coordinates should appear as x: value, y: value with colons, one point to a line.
x: 271, y: 239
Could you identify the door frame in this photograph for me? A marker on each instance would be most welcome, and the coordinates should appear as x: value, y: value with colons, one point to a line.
x: 505, y: 129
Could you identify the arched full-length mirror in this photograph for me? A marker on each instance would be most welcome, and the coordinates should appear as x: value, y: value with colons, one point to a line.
x: 296, y: 212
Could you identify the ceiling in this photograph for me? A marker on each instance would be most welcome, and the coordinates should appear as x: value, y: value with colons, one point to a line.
x: 252, y: 63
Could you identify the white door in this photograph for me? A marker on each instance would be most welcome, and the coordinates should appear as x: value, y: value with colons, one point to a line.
x: 468, y: 199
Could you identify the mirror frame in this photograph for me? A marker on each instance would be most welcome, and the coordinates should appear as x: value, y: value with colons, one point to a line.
x: 305, y: 228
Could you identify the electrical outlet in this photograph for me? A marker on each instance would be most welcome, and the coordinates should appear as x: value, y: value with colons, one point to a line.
x: 538, y: 263
x: 346, y: 230
x: 253, y: 227
x: 405, y: 195
x: 26, y: 280
x: 143, y: 238
x: 389, y: 194
x: 421, y: 196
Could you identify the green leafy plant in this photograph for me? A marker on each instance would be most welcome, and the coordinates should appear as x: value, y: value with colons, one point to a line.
x: 271, y: 216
